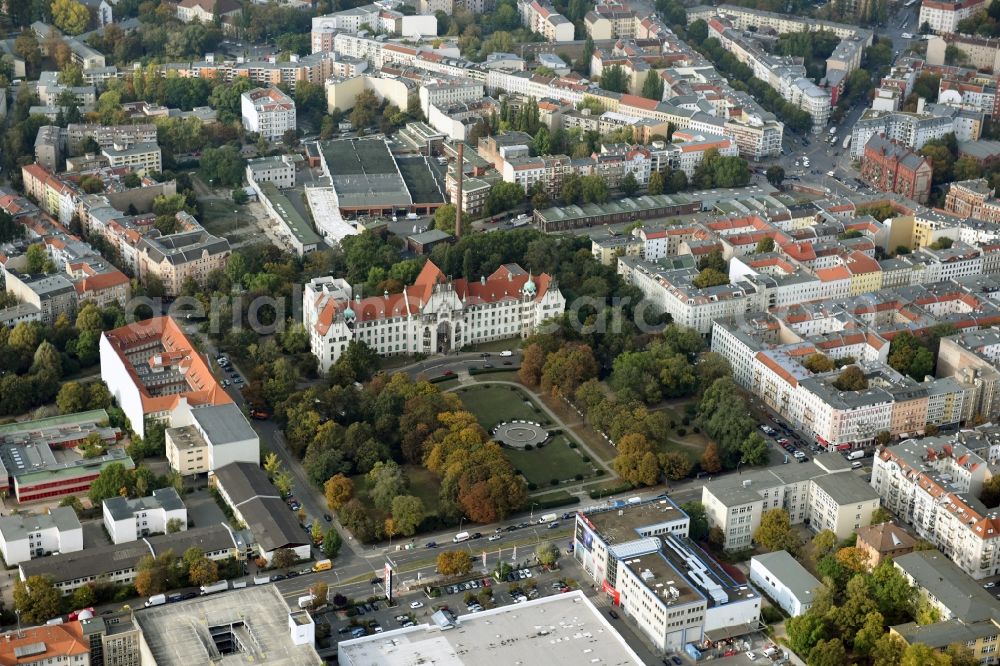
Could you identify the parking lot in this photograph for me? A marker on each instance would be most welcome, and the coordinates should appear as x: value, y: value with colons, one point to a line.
x: 461, y: 597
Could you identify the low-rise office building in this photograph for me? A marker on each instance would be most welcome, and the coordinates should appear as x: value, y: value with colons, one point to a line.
x: 206, y: 438
x: 639, y: 553
x: 24, y: 537
x: 127, y: 519
x: 255, y: 502
x: 785, y: 581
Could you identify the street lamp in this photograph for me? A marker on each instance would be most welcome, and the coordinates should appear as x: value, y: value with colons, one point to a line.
x: 460, y: 523
x: 236, y: 217
x: 531, y: 514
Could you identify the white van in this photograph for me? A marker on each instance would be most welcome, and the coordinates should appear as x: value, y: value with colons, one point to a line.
x: 506, y: 352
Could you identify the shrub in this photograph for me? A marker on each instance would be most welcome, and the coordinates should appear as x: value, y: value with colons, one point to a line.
x: 532, y: 486
x: 600, y: 472
x: 681, y: 432
x: 696, y: 429
x: 686, y: 420
x: 579, y: 477
x: 528, y: 447
x: 572, y: 445
x: 554, y: 482
x: 586, y: 458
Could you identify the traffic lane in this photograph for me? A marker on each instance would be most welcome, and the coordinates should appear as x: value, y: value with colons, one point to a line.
x: 467, y: 360
x: 414, y: 571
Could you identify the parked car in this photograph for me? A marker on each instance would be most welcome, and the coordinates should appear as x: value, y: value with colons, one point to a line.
x: 613, y: 614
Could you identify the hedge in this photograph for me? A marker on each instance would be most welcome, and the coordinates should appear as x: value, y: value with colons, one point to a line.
x: 565, y: 500
x: 597, y: 494
x: 505, y: 368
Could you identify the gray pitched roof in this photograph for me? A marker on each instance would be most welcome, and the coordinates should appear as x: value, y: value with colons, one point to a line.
x: 14, y: 528
x: 267, y: 517
x: 792, y: 575
x: 122, y: 508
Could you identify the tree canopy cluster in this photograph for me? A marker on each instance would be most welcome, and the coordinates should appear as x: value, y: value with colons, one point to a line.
x: 393, y: 421
x: 851, y: 613
x: 916, y: 356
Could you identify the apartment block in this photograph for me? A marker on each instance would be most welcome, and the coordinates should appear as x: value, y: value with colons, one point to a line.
x: 25, y: 536
x: 267, y: 111
x: 943, y: 16
x: 932, y: 484
x: 142, y: 158
x: 822, y: 491
x: 541, y: 18
x: 128, y: 520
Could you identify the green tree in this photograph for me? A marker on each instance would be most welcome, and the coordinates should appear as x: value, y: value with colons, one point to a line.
x: 775, y: 175
x: 629, y: 184
x: 614, y: 79
x: 113, y: 481
x: 69, y: 16
x: 386, y: 480
x: 444, y: 218
x: 851, y: 378
x: 967, y: 168
x: 175, y: 525
x: 547, y: 554
x: 37, y: 599
x: 652, y: 87
x: 454, y: 563
x: 407, y: 512
x: 83, y: 597
x: 222, y: 166
x: 828, y: 653
x: 990, y: 494
x: 765, y: 245
x: 72, y: 398
x: 818, y: 362
x: 697, y: 31
x: 823, y: 544
x: 36, y: 257
x: 655, y: 183
x: 331, y: 543
x: 709, y: 277
x: 776, y: 532
x: 806, y: 631
x: 698, y: 530
x: 754, y: 449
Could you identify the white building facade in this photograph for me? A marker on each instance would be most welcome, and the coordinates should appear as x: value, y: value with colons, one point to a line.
x: 432, y: 315
x: 24, y: 536
x: 129, y: 520
x: 267, y: 111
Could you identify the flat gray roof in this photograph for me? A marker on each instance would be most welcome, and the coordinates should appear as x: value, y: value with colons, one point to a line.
x: 846, y: 488
x: 560, y: 630
x: 224, y: 423
x: 181, y: 634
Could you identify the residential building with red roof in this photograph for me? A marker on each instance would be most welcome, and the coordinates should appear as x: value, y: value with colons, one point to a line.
x: 933, y: 484
x: 435, y: 314
x: 151, y: 367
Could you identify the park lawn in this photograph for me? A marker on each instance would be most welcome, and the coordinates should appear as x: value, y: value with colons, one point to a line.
x: 423, y: 484
x: 555, y: 460
x: 692, y: 452
x: 496, y: 404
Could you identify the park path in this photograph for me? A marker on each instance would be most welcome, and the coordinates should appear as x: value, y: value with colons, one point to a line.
x: 536, y: 398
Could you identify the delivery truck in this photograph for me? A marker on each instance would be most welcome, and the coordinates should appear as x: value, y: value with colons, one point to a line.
x: 221, y: 586
x: 857, y: 454
x: 461, y: 536
x: 548, y: 518
x: 323, y: 565
x: 156, y: 600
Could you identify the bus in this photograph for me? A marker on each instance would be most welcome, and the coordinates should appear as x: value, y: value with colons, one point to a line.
x: 847, y: 142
